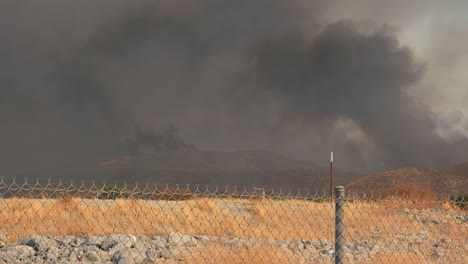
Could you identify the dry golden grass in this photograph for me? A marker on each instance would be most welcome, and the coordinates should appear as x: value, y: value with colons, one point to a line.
x: 264, y: 219
x: 412, y: 192
x: 270, y: 219
x: 367, y: 219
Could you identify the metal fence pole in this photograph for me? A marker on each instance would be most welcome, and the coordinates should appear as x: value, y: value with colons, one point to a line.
x: 339, y: 225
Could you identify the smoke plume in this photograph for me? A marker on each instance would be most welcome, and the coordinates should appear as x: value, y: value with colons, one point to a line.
x: 85, y: 81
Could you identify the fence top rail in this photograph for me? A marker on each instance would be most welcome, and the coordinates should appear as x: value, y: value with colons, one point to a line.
x: 48, y: 188
x: 24, y: 187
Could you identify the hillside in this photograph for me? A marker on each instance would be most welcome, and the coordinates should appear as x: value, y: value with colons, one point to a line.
x: 451, y: 181
x: 206, y: 160
x: 240, y: 168
x: 460, y: 169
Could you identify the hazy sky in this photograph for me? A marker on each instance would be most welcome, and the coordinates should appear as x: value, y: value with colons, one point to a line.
x: 436, y: 32
x: 381, y: 83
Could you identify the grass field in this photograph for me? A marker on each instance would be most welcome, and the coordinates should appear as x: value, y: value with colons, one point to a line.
x: 263, y: 219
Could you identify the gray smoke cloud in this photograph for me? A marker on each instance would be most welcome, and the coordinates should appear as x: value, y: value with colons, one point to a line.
x: 85, y: 81
x: 346, y: 73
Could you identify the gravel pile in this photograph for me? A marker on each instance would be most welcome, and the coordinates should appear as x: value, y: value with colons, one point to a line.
x: 130, y: 249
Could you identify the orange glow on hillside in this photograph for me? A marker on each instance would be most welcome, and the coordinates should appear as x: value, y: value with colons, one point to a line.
x: 107, y: 163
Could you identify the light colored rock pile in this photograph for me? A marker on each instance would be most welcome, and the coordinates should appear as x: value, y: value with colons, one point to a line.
x: 130, y: 249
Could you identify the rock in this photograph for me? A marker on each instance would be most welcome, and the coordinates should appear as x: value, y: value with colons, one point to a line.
x: 445, y: 240
x: 3, y: 241
x: 70, y: 240
x: 178, y: 240
x: 39, y: 243
x: 399, y: 238
x: 297, y: 245
x: 376, y: 234
x: 54, y: 252
x: 107, y: 244
x: 349, y: 256
x: 158, y: 242
x: 129, y: 256
x: 129, y: 249
x: 416, y: 240
x: 376, y: 247
x: 205, y: 239
x: 17, y: 252
x: 281, y: 244
x: 438, y: 252
x: 78, y: 241
x: 118, y: 241
x: 141, y: 245
x: 165, y: 253
x: 152, y: 255
x: 423, y: 234
x: 234, y: 242
x: 92, y: 256
x: 460, y: 217
x: 178, y: 253
x: 362, y: 250
x: 93, y: 253
x: 94, y: 240
x: 325, y: 242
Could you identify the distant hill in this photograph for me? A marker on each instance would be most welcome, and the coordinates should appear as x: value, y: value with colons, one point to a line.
x: 241, y: 168
x: 460, y: 169
x: 451, y: 181
x: 205, y: 160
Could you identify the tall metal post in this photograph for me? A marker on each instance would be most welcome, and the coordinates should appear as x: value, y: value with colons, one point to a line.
x: 339, y: 224
x: 331, y: 174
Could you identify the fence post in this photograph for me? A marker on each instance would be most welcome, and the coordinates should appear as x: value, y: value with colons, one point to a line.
x: 339, y: 224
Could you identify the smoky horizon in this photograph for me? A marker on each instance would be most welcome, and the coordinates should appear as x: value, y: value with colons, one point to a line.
x: 380, y: 84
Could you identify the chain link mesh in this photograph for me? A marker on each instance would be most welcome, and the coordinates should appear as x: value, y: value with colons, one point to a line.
x: 86, y: 222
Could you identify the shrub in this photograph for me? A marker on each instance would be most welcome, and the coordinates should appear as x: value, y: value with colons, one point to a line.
x: 111, y: 192
x: 461, y: 201
x: 65, y: 198
x: 172, y: 194
x: 413, y: 192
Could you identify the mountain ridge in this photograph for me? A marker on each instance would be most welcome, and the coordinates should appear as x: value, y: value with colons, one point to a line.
x: 250, y: 168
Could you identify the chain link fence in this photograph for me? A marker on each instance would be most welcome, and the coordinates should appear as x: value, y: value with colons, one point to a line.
x: 86, y: 222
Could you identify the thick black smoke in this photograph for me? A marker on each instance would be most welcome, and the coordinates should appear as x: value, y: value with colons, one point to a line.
x: 79, y: 79
x: 347, y: 73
